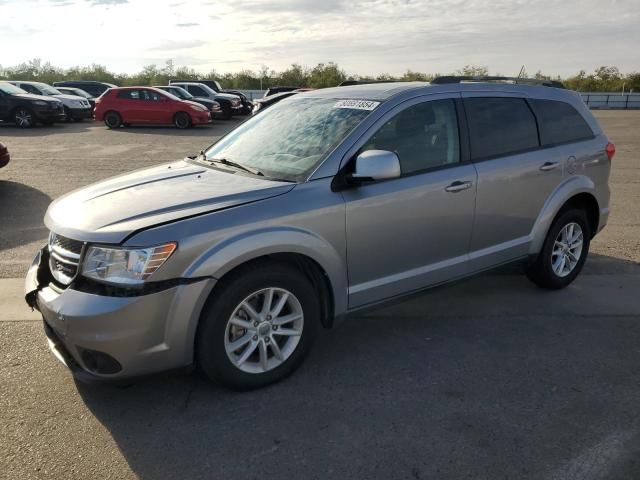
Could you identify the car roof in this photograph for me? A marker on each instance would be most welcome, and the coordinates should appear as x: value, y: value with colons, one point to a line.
x: 384, y: 91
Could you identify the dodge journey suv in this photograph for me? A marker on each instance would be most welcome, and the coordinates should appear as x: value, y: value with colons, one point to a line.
x: 329, y: 202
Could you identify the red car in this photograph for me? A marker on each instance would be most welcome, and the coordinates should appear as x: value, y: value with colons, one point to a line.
x: 127, y: 105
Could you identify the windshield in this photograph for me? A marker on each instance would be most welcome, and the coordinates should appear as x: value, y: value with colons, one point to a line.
x: 77, y: 91
x: 291, y: 138
x: 10, y: 89
x: 47, y: 90
x: 180, y: 92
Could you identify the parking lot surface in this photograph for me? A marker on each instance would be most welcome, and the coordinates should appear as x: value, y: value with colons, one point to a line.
x: 489, y: 378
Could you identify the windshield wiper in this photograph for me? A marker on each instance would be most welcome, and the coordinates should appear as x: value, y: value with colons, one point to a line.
x: 231, y: 163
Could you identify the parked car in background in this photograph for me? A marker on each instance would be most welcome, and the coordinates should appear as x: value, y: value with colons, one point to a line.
x: 4, y: 155
x: 261, y: 104
x: 147, y: 105
x: 332, y: 202
x: 182, y: 94
x: 93, y: 88
x: 79, y: 93
x: 230, y: 104
x: 75, y: 107
x: 247, y: 105
x: 26, y: 109
x: 274, y: 90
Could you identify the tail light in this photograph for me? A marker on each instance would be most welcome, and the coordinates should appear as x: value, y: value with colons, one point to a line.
x: 610, y: 149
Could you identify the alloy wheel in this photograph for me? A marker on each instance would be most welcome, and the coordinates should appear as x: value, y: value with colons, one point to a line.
x: 567, y: 249
x: 23, y: 118
x: 264, y: 330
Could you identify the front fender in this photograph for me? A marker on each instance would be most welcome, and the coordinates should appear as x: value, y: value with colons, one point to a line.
x: 234, y: 251
x: 570, y: 187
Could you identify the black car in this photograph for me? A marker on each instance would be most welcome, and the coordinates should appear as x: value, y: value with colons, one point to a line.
x: 26, y: 109
x: 79, y: 93
x: 182, y: 94
x: 264, y: 102
x: 247, y: 106
x: 95, y: 89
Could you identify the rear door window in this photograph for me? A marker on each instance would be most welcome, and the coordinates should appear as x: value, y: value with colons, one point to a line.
x: 560, y: 123
x: 500, y: 126
x: 130, y: 94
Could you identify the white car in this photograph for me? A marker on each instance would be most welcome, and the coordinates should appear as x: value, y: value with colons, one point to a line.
x: 75, y: 107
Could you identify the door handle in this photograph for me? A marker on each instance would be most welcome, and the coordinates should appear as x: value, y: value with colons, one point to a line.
x: 545, y: 167
x: 458, y: 186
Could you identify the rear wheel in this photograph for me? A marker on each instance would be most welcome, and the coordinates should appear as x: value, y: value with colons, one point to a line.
x: 258, y: 326
x: 564, y: 251
x: 182, y: 120
x: 23, y: 117
x: 112, y: 120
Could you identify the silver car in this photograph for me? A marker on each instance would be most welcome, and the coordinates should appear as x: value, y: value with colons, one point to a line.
x: 327, y: 203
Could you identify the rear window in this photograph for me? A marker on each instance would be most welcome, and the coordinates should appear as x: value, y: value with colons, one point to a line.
x: 500, y: 126
x: 560, y: 123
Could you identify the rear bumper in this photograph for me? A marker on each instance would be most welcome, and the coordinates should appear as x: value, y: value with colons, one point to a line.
x: 100, y: 337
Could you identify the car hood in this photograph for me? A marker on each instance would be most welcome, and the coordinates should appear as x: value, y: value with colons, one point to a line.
x: 33, y: 96
x: 109, y: 211
x: 66, y: 96
x: 228, y: 96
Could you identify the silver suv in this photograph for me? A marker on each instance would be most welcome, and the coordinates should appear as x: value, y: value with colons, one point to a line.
x: 329, y: 202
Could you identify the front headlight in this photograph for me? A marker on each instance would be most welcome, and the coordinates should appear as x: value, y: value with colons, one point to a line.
x: 41, y: 103
x: 198, y: 109
x: 125, y: 266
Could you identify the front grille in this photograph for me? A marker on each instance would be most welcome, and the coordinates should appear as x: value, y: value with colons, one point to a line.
x: 64, y: 258
x: 66, y: 244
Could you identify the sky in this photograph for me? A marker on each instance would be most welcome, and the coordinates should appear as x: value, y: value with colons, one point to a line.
x: 365, y: 37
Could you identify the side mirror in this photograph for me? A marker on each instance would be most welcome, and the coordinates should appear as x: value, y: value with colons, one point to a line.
x: 376, y: 165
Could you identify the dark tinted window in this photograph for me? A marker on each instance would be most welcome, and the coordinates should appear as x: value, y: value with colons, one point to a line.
x: 499, y: 126
x: 130, y: 94
x: 423, y: 136
x: 30, y: 89
x: 197, y: 91
x: 560, y: 122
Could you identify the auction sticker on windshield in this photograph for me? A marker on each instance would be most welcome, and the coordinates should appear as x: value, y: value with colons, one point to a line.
x: 357, y: 104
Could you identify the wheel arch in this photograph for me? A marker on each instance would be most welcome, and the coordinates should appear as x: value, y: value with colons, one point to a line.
x: 578, y: 192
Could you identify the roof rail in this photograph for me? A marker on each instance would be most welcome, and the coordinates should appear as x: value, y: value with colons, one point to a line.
x: 348, y: 83
x: 515, y: 80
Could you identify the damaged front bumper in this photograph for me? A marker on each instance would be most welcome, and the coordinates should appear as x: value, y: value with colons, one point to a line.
x: 110, y: 336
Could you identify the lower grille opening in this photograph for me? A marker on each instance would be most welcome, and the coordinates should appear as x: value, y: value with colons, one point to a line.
x: 99, y: 362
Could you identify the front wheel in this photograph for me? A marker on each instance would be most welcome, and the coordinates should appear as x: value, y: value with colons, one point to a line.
x: 23, y: 118
x: 182, y: 120
x: 258, y: 326
x: 564, y: 251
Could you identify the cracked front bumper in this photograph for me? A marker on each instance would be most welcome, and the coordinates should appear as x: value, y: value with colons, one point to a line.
x: 113, y: 337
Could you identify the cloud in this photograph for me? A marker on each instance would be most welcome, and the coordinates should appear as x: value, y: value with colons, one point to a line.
x: 187, y: 24
x: 107, y: 2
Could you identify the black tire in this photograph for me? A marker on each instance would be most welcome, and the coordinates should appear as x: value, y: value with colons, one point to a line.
x: 226, y: 111
x: 112, y: 119
x: 23, y: 117
x: 182, y: 120
x: 211, y: 355
x: 540, y: 271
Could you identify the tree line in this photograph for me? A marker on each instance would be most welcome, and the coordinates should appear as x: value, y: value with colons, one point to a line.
x: 602, y: 79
